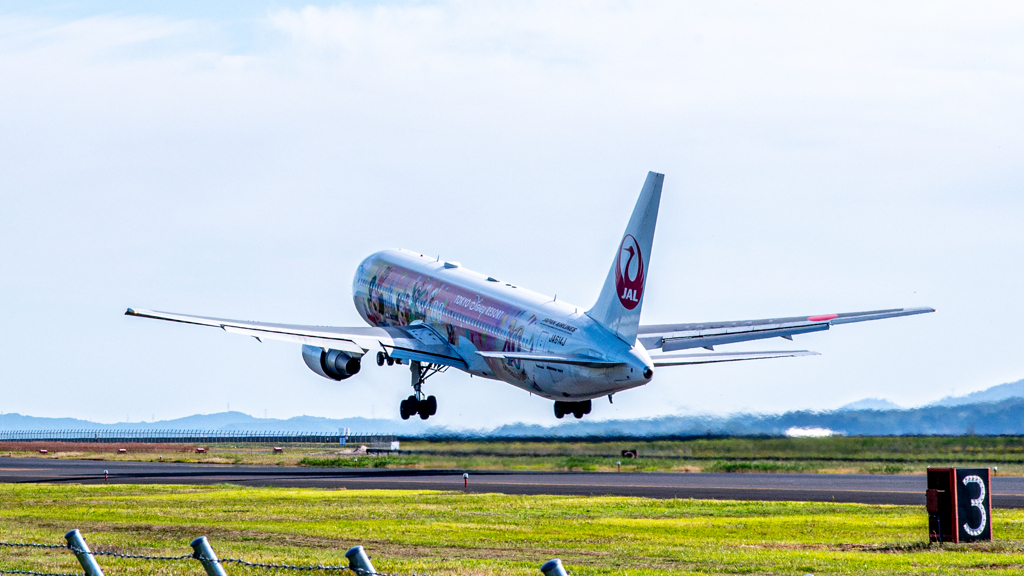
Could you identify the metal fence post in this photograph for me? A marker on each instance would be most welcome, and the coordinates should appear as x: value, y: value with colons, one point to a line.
x: 205, y: 554
x: 359, y: 562
x: 553, y: 567
x: 81, y: 550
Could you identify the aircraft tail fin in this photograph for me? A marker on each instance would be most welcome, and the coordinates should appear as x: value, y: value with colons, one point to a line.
x: 618, y: 306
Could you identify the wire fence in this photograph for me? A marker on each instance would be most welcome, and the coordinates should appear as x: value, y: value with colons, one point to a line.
x: 2, y: 571
x: 178, y: 436
x: 359, y: 562
x: 202, y: 551
x: 197, y: 436
x: 31, y: 545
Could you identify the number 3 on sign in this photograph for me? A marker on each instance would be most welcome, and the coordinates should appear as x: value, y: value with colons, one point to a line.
x: 978, y: 503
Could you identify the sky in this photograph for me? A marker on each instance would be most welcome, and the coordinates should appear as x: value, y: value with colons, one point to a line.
x: 239, y: 160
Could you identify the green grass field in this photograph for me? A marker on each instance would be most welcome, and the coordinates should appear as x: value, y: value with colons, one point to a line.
x: 866, y: 455
x: 456, y: 533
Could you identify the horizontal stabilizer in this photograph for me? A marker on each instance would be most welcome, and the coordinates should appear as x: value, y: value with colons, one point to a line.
x: 714, y: 357
x: 587, y: 361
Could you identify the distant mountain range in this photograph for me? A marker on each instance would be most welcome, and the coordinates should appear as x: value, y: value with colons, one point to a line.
x: 872, y: 404
x: 997, y: 410
x: 993, y: 394
x: 225, y: 421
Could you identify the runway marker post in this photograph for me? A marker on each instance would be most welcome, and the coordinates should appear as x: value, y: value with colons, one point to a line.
x: 465, y: 479
x: 81, y: 550
x: 553, y: 567
x: 207, y: 557
x: 359, y: 562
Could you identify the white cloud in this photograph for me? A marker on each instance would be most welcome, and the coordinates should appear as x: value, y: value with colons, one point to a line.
x: 819, y: 158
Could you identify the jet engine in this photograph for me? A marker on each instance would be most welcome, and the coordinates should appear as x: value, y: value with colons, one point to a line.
x: 333, y: 364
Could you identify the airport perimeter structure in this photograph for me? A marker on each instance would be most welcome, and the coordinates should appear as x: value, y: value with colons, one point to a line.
x: 246, y: 437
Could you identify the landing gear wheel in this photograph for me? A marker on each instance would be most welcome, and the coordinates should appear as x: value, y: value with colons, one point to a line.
x: 425, y: 406
x: 391, y: 361
x: 577, y: 409
x: 409, y: 407
x: 381, y: 358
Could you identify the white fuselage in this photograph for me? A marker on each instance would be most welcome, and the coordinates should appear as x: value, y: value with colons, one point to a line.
x: 478, y: 313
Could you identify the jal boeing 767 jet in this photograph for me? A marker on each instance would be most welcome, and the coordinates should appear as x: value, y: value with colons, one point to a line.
x: 433, y: 315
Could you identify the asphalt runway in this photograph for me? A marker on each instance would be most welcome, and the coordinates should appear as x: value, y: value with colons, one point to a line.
x: 1007, y: 492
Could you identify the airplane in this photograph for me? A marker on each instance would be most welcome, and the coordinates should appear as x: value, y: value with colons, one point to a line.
x: 433, y: 315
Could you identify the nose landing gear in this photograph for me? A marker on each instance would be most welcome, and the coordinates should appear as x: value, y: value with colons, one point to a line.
x: 382, y: 358
x: 577, y: 409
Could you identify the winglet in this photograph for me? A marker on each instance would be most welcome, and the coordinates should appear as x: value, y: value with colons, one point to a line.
x: 130, y: 312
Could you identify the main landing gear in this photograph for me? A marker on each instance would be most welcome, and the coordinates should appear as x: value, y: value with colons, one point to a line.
x: 577, y: 409
x: 412, y: 405
x: 418, y: 403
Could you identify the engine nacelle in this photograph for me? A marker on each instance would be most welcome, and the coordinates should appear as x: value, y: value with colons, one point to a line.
x: 333, y: 364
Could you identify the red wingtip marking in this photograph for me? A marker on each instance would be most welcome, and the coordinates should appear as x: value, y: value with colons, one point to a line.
x: 822, y: 318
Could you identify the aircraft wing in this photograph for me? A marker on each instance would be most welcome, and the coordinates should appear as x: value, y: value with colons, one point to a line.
x: 421, y: 342
x: 414, y: 342
x: 671, y: 337
x: 714, y: 357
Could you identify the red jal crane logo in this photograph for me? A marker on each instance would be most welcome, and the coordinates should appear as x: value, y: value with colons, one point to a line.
x: 629, y: 273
